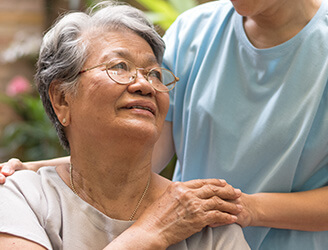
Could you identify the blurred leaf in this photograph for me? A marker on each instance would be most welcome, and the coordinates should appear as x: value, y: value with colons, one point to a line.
x: 89, y: 3
x: 33, y: 137
x: 160, y: 12
x: 183, y: 5
x: 159, y: 19
x: 159, y: 6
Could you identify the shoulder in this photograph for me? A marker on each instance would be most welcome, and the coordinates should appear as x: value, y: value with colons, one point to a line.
x: 196, y: 28
x: 29, y: 178
x: 223, y: 237
x: 198, y: 25
x: 24, y: 207
x: 21, y: 179
x: 25, y: 190
x: 207, y: 13
x: 207, y: 9
x: 229, y: 237
x: 28, y: 186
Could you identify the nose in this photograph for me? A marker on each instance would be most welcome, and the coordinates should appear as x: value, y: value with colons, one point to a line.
x: 141, y: 85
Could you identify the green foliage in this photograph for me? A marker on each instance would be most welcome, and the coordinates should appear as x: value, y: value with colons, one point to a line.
x: 163, y: 12
x: 32, y: 136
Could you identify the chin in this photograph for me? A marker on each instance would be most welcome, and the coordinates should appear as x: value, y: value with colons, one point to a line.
x: 242, y: 9
x: 144, y: 130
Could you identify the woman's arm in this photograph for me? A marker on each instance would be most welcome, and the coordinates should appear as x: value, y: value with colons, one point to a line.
x: 306, y: 211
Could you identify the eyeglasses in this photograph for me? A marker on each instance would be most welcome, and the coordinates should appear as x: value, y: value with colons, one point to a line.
x: 124, y: 72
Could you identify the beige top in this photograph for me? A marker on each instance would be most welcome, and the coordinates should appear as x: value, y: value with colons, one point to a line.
x: 42, y: 208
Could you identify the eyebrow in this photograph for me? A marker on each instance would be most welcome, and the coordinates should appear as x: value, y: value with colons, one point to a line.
x: 125, y: 53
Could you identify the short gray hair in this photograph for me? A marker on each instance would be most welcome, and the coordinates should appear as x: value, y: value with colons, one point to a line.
x: 63, y: 51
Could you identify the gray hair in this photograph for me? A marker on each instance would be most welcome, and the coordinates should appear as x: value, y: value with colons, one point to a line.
x: 63, y: 51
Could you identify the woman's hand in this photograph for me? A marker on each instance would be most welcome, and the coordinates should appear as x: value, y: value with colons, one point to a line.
x: 9, y: 167
x: 186, y: 208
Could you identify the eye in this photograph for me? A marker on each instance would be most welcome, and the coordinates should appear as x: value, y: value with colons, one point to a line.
x: 118, y: 66
x: 155, y: 74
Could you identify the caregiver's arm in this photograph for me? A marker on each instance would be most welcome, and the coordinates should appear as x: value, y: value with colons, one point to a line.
x: 9, y: 167
x: 162, y: 154
x: 164, y: 149
x: 306, y: 211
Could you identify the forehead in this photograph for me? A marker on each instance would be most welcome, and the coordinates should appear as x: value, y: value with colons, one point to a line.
x: 104, y: 46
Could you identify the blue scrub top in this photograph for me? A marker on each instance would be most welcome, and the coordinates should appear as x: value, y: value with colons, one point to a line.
x: 255, y: 117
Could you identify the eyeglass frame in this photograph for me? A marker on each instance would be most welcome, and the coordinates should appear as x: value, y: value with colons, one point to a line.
x: 134, y: 76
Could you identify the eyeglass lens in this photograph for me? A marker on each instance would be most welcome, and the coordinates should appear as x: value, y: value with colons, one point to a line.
x: 125, y: 72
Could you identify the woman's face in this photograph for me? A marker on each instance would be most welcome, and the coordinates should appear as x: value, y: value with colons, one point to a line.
x: 103, y: 108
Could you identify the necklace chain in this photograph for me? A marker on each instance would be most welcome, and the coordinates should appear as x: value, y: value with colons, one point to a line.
x: 138, y: 204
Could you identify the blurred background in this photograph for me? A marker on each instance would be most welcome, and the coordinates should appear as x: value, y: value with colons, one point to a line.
x: 25, y: 131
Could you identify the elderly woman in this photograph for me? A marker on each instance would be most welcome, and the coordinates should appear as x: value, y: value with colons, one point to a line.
x: 101, y: 85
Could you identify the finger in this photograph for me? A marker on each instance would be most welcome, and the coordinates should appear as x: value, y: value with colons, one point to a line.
x: 216, y: 218
x: 2, y: 179
x: 215, y: 203
x: 226, y: 193
x: 187, y: 191
x: 1, y: 166
x: 7, y: 169
x: 202, y: 182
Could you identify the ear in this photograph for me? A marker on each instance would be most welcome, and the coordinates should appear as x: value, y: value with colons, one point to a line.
x: 60, y: 103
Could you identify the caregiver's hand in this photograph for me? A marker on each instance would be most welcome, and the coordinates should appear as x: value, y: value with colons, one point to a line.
x: 9, y: 167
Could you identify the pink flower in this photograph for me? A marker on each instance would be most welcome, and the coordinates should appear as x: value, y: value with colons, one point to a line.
x: 18, y: 85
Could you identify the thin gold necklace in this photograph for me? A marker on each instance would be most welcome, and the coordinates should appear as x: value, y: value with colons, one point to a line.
x: 138, y: 204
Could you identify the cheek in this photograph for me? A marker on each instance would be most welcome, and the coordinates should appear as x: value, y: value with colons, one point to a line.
x: 164, y: 103
x: 95, y: 101
x: 101, y: 90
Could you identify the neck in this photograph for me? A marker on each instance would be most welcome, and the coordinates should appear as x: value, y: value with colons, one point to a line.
x: 113, y: 181
x: 113, y: 162
x: 279, y: 23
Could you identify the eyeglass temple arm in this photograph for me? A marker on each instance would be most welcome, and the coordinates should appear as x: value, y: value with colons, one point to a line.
x: 176, y: 79
x: 85, y: 70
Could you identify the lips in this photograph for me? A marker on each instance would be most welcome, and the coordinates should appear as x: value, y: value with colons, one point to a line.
x: 142, y: 105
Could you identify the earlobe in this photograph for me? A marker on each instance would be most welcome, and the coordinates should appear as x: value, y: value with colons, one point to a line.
x: 60, y: 103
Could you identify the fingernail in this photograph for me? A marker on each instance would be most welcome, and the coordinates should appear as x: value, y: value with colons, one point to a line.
x: 240, y: 207
x: 223, y: 181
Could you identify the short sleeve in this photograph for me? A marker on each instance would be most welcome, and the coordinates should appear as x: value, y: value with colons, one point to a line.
x: 23, y: 209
